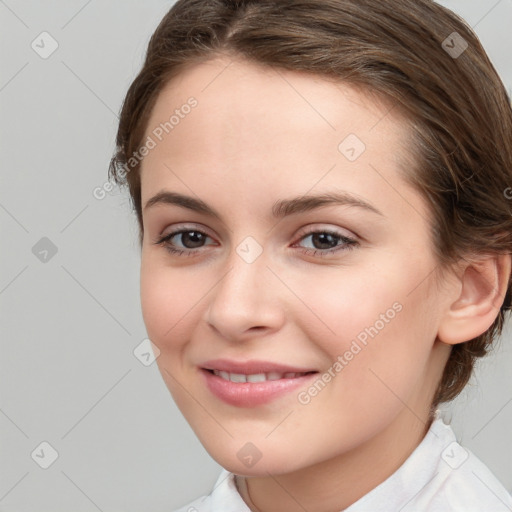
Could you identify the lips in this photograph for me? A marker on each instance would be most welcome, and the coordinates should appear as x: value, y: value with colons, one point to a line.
x: 257, y: 377
x: 252, y: 383
x: 252, y: 367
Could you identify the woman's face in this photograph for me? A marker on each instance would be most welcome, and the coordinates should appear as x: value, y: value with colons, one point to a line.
x: 277, y: 284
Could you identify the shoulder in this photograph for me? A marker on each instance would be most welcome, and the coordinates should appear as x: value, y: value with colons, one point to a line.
x: 223, y: 497
x: 439, y: 476
x: 470, y: 486
x: 460, y: 480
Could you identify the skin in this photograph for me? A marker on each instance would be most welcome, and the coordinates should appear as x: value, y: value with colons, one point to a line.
x: 258, y: 136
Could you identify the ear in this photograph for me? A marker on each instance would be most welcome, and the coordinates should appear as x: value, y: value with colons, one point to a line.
x: 481, y: 290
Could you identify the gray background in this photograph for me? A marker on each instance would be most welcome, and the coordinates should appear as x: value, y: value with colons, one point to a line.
x: 70, y: 324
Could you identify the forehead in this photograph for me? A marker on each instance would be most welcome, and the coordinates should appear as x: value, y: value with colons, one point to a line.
x: 233, y: 86
x: 252, y: 123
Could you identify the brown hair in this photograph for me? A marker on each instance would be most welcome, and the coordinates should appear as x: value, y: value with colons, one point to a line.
x: 402, y: 51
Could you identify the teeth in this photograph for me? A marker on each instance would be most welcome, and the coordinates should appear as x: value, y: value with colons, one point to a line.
x: 256, y: 377
x: 224, y: 375
x: 237, y: 377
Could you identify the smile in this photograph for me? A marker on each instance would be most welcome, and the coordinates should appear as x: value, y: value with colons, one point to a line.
x: 257, y: 377
x: 254, y: 389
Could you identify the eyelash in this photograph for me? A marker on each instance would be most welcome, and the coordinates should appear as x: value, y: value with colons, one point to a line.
x: 350, y: 243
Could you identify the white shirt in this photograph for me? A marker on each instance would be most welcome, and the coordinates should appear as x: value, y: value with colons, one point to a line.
x: 439, y: 476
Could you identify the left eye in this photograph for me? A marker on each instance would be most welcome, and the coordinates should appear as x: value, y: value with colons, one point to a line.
x: 333, y: 240
x: 324, y: 242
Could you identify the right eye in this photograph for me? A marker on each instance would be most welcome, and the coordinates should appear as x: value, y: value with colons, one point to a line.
x: 190, y: 239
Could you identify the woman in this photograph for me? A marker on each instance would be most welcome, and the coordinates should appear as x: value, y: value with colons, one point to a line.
x: 325, y: 241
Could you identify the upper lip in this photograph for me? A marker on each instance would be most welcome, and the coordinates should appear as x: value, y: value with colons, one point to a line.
x: 251, y: 367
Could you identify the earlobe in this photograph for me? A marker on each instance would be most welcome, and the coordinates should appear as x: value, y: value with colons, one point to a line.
x: 484, y: 286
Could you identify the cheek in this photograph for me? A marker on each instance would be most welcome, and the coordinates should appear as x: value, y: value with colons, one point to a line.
x: 167, y: 300
x: 389, y: 294
x: 350, y: 307
x: 381, y: 325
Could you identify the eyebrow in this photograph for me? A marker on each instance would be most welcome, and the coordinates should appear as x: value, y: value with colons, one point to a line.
x: 281, y: 208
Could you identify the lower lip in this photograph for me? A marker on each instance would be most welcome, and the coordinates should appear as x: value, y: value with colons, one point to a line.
x: 252, y: 394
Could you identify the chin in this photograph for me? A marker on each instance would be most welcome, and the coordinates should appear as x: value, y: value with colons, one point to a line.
x: 247, y: 461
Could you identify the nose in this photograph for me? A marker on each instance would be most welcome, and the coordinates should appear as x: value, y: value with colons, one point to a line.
x: 247, y: 300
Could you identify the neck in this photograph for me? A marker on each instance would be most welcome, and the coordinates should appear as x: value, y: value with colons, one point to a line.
x: 341, y: 481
